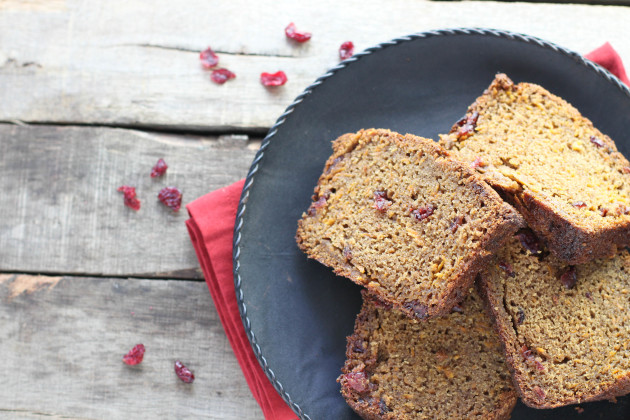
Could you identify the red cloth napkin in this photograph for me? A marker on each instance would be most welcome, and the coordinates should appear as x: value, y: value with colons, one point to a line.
x: 608, y: 58
x: 211, y: 229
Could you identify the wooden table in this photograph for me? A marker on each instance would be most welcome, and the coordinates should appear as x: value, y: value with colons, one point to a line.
x: 91, y: 95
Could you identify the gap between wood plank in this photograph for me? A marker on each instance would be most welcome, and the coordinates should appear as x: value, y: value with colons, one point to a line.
x: 196, y: 50
x: 152, y: 129
x: 18, y: 411
x: 139, y: 276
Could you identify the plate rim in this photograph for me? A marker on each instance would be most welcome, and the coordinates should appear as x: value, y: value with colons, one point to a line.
x: 249, y: 179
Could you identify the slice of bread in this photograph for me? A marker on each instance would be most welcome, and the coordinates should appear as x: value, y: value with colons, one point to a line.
x: 397, y: 215
x: 565, y: 329
x: 445, y: 368
x: 565, y: 176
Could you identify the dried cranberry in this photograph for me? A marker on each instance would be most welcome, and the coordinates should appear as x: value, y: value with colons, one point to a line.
x: 135, y: 355
x: 520, y: 316
x: 625, y: 170
x: 292, y: 33
x: 467, y: 125
x: 529, y: 241
x: 183, y: 372
x: 273, y: 79
x: 478, y: 163
x: 505, y: 266
x: 569, y: 278
x: 540, y: 394
x: 588, y: 296
x: 347, y: 253
x: 358, y: 347
x: 321, y: 202
x: 381, y: 203
x: 422, y: 213
x: 346, y: 50
x: 208, y: 58
x: 380, y: 304
x: 419, y: 309
x: 358, y: 381
x: 171, y: 197
x: 456, y: 223
x: 220, y: 76
x: 597, y: 141
x: 579, y: 204
x: 603, y: 211
x: 159, y: 169
x: 129, y: 197
x: 529, y: 357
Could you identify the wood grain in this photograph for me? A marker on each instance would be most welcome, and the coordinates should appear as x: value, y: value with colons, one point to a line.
x: 61, y: 212
x: 63, y: 340
x: 128, y: 63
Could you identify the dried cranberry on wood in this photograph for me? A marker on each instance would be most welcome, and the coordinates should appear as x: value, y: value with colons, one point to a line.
x: 208, y: 58
x: 135, y: 355
x: 346, y: 50
x: 159, y: 169
x: 171, y: 197
x: 129, y: 197
x: 292, y: 33
x: 183, y: 372
x: 220, y: 76
x: 273, y: 79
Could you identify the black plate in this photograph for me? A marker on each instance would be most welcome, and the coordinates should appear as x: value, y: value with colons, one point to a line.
x: 297, y: 312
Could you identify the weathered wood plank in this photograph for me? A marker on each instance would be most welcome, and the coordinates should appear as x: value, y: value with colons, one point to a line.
x: 61, y: 212
x: 128, y: 63
x: 63, y: 339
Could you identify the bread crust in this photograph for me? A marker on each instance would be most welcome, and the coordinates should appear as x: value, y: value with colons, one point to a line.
x: 507, y: 222
x: 573, y: 239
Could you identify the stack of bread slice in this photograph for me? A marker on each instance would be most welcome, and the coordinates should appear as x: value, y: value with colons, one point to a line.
x: 524, y: 195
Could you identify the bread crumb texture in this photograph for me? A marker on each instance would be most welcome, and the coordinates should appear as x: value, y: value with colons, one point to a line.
x: 444, y: 368
x: 526, y: 141
x: 566, y: 329
x: 397, y: 215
